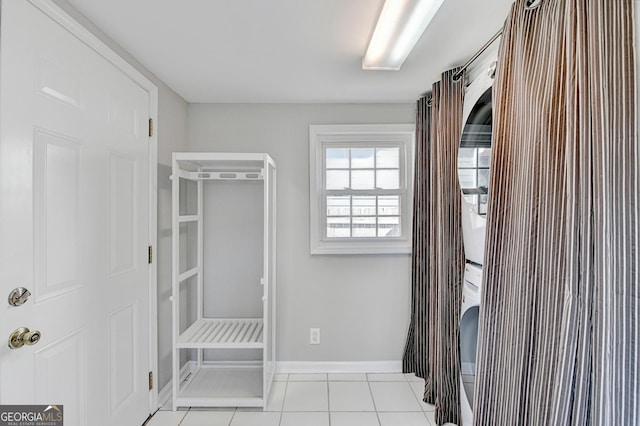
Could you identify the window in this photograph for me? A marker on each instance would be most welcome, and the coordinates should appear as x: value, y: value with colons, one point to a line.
x: 474, y: 157
x: 473, y: 174
x: 360, y: 182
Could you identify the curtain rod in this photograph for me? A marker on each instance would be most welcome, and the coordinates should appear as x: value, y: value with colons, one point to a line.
x: 458, y: 74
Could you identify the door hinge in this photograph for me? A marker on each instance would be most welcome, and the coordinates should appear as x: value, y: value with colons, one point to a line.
x: 150, y: 254
x: 150, y: 127
x: 150, y: 380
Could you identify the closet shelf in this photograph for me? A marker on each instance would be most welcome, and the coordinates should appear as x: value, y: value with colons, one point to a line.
x: 209, y: 333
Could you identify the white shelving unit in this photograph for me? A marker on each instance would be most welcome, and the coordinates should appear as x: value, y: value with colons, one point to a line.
x: 223, y: 358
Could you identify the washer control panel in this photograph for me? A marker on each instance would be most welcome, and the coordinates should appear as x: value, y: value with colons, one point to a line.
x: 473, y: 274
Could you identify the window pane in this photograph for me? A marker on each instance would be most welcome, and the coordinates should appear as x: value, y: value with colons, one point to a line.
x: 364, y: 227
x: 338, y: 206
x: 467, y: 178
x: 364, y: 206
x: 483, y: 179
x: 362, y: 158
x: 484, y: 157
x: 483, y: 204
x: 361, y: 179
x: 337, y: 179
x: 389, y: 226
x: 337, y: 158
x: 389, y: 220
x: 467, y: 157
x: 388, y: 158
x: 338, y: 227
x: 388, y: 179
x: 388, y: 205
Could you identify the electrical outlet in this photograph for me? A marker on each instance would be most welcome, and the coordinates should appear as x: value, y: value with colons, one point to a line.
x: 314, y: 336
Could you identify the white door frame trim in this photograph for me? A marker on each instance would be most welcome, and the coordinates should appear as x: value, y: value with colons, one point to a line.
x: 61, y: 17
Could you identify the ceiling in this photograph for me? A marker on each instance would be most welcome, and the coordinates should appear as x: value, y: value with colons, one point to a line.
x: 286, y: 51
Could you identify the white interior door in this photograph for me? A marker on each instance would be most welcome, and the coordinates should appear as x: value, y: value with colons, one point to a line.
x: 74, y: 224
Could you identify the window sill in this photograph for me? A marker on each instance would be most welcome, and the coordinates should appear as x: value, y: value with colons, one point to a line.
x: 360, y: 247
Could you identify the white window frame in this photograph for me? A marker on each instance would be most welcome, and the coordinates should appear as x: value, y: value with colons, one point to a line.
x: 352, y: 135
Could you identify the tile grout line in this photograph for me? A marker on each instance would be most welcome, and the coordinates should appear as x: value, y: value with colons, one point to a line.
x: 235, y: 410
x: 420, y: 402
x: 328, y: 401
x: 183, y: 417
x: 284, y: 396
x: 375, y: 407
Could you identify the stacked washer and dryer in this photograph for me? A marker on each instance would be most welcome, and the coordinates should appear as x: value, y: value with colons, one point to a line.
x: 474, y: 159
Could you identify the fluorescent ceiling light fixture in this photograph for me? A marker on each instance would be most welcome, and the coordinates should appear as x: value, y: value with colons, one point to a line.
x: 400, y: 26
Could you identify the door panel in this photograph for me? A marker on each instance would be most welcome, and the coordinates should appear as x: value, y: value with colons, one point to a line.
x: 74, y: 223
x: 63, y: 361
x: 123, y: 334
x: 123, y: 210
x: 57, y: 181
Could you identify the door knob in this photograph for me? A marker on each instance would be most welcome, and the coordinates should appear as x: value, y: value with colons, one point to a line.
x: 23, y: 336
x: 32, y: 337
x: 18, y: 296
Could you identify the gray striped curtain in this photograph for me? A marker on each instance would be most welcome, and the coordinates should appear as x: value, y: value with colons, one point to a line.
x: 438, y: 255
x: 559, y: 320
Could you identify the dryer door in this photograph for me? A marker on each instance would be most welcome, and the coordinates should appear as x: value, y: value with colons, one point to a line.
x: 468, y: 349
x: 474, y: 159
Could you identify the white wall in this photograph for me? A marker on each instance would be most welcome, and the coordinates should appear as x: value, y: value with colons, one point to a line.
x: 171, y: 128
x: 172, y: 136
x: 361, y: 303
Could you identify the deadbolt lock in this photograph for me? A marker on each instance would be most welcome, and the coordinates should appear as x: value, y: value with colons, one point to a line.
x: 18, y: 296
x: 23, y: 336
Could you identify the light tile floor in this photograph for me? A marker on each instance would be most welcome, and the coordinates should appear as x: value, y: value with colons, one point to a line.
x: 321, y: 400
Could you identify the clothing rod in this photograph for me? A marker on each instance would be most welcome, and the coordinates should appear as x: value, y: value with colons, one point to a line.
x: 458, y: 74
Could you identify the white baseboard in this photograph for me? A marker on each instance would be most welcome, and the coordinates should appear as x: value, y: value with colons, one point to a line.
x: 166, y: 392
x: 339, y: 367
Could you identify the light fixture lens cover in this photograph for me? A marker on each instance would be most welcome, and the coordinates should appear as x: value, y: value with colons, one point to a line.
x: 400, y: 26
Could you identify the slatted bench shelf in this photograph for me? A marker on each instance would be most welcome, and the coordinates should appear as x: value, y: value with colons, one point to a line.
x: 223, y: 333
